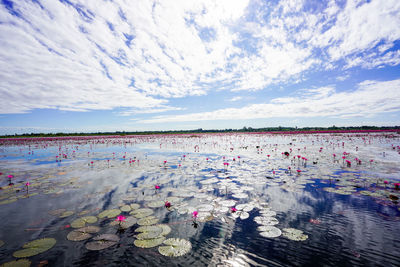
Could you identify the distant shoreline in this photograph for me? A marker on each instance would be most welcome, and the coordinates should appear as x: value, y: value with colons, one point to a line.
x: 198, y: 132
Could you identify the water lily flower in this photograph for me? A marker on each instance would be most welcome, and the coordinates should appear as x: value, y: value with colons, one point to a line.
x: 157, y: 187
x: 233, y: 209
x: 28, y: 184
x: 167, y: 204
x: 120, y: 218
x: 194, y: 214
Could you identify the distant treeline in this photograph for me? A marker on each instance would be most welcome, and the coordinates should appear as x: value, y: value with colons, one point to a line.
x: 200, y: 130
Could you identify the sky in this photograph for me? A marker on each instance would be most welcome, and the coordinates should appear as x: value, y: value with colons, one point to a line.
x: 123, y: 65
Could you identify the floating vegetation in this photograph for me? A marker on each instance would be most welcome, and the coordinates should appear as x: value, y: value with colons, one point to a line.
x: 109, y: 213
x: 82, y: 233
x: 149, y: 232
x: 125, y: 208
x: 175, y: 247
x: 149, y: 220
x: 17, y: 263
x: 66, y: 214
x: 35, y: 247
x: 294, y: 234
x: 125, y: 224
x: 266, y: 220
x: 141, y: 213
x: 102, y: 242
x: 149, y: 243
x: 1, y: 243
x: 269, y: 231
x: 81, y: 222
x: 156, y: 204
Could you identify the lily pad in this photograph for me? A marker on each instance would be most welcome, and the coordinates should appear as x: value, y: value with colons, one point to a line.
x: 149, y: 243
x: 141, y: 213
x: 156, y: 204
x: 82, y: 233
x: 166, y: 229
x: 1, y: 243
x: 134, y: 206
x: 266, y: 220
x: 150, y: 220
x: 126, y: 208
x: 244, y: 215
x: 129, y: 221
x: 17, y: 263
x: 149, y: 231
x: 175, y: 247
x: 102, y: 242
x: 109, y: 213
x: 269, y: 231
x: 294, y: 234
x: 81, y: 222
x: 66, y: 214
x: 35, y: 247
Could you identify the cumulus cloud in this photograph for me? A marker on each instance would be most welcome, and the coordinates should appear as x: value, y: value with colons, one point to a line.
x: 370, y: 98
x: 86, y: 55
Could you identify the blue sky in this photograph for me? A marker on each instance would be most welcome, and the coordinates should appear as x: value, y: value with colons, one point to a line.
x: 126, y: 65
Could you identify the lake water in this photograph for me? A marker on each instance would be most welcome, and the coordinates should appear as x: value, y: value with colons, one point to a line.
x: 221, y: 200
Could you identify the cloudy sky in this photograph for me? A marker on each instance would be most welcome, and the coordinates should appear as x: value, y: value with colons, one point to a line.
x: 74, y: 65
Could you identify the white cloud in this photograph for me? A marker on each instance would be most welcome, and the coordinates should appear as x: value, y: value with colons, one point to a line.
x: 369, y: 99
x: 236, y: 98
x: 136, y: 54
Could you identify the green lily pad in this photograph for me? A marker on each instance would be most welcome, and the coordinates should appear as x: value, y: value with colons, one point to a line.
x: 8, y: 201
x: 149, y: 243
x: 125, y: 208
x: 66, y: 214
x: 129, y: 221
x: 156, y: 204
x: 82, y: 233
x: 35, y: 247
x: 57, y: 212
x: 102, y: 242
x: 294, y: 234
x: 81, y: 222
x: 17, y: 263
x: 141, y: 213
x: 150, y: 220
x: 166, y: 229
x: 175, y: 247
x: 269, y: 231
x: 149, y: 231
x: 109, y: 213
x: 134, y: 206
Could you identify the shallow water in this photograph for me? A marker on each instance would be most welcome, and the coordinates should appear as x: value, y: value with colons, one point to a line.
x: 347, y: 214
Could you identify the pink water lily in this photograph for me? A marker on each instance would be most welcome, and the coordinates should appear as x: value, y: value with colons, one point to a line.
x: 195, y: 214
x: 120, y: 218
x: 157, y: 187
x: 28, y: 184
x: 233, y: 210
x: 167, y: 204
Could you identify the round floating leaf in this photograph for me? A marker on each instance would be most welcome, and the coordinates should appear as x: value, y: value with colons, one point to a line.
x: 134, y: 206
x: 149, y: 243
x: 227, y: 203
x: 269, y: 231
x: 81, y: 222
x: 141, y: 213
x: 17, y: 263
x: 166, y: 229
x: 267, y: 213
x: 66, y: 214
x: 205, y: 207
x: 129, y: 221
x: 35, y: 247
x: 83, y: 212
x: 149, y: 231
x: 102, y: 242
x: 156, y: 204
x: 150, y: 220
x: 82, y: 233
x: 109, y: 213
x: 57, y: 212
x: 1, y: 243
x: 125, y: 208
x: 266, y: 220
x: 294, y: 234
x: 175, y: 247
x: 244, y: 215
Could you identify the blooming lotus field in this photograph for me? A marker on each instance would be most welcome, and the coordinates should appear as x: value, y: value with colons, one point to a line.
x: 316, y: 199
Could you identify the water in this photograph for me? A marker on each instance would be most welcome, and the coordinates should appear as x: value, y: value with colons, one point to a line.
x: 344, y: 215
